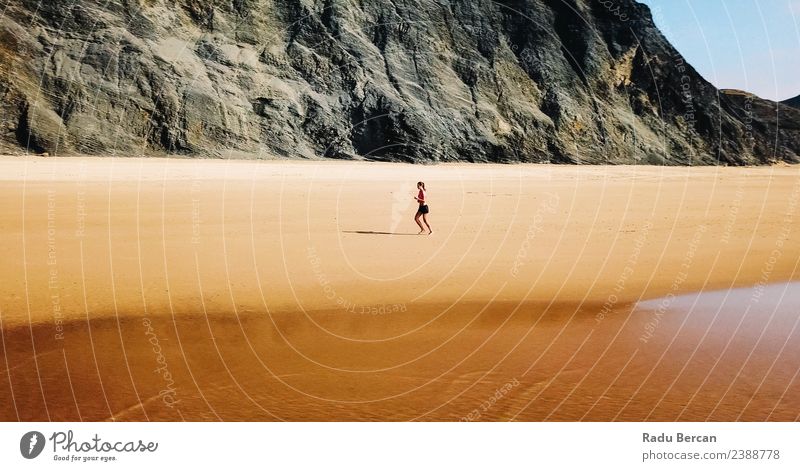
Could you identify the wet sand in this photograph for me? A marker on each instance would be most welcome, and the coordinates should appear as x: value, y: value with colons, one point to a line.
x: 164, y: 289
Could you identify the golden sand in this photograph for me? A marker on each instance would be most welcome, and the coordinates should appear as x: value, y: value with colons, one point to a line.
x: 166, y: 289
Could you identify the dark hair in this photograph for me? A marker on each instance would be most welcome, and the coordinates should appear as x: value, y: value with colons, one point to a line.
x: 423, y: 185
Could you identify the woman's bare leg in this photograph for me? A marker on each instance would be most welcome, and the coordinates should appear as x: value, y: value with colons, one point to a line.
x: 425, y: 218
x: 416, y: 219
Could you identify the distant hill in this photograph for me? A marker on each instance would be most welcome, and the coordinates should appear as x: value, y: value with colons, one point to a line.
x: 766, y: 117
x: 795, y: 102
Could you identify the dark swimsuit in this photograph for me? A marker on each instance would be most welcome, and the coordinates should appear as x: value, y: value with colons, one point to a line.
x: 423, y: 208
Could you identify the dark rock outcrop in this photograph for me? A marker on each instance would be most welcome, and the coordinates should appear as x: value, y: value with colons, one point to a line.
x: 571, y: 81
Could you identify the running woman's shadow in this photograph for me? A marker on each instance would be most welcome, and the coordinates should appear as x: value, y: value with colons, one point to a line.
x: 379, y: 233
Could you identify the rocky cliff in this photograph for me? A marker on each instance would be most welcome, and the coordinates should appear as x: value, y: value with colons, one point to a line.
x: 569, y: 81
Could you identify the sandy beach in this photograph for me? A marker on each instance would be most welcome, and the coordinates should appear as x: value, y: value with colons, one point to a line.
x: 171, y: 289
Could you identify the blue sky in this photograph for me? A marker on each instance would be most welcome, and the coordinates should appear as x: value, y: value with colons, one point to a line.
x: 752, y: 45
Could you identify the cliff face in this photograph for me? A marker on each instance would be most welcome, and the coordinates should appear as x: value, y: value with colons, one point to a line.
x: 572, y: 81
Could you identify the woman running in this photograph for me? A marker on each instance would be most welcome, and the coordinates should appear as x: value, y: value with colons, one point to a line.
x: 423, y: 209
